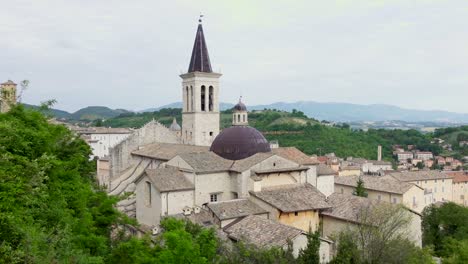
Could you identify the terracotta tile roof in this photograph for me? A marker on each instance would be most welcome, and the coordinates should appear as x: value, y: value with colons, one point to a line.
x: 409, y: 176
x: 293, y: 197
x: 167, y: 151
x: 168, y: 179
x: 323, y: 169
x: 262, y: 232
x: 347, y: 207
x: 235, y: 209
x: 293, y: 154
x: 458, y: 176
x: 377, y: 183
x: 350, y: 168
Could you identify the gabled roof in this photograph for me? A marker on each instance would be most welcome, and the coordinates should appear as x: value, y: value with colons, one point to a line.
x: 262, y: 232
x: 323, y: 169
x: 247, y: 163
x: 347, y: 207
x: 293, y: 197
x: 168, y: 179
x: 293, y: 154
x: 200, y: 60
x: 235, y: 209
x: 458, y: 176
x: 376, y: 183
x: 167, y: 151
x: 206, y: 162
x: 421, y: 175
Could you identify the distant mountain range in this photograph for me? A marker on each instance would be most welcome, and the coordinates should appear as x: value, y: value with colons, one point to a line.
x: 345, y: 112
x: 337, y: 112
x: 87, y: 113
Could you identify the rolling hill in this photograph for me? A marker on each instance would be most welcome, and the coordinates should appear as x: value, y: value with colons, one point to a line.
x: 345, y: 112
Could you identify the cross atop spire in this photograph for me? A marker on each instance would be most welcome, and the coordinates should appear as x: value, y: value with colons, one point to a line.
x: 200, y: 60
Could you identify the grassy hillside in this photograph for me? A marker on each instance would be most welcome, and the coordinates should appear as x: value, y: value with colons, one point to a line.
x: 296, y: 129
x: 97, y: 112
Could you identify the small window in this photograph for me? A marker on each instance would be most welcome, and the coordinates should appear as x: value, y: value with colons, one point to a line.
x: 443, y: 180
x: 442, y: 188
x: 435, y: 189
x: 296, y: 213
x: 394, y: 200
x: 425, y: 181
x: 211, y: 133
x: 148, y: 194
x: 342, y: 191
x: 213, y: 197
x: 436, y: 180
x: 274, y: 164
x: 379, y: 197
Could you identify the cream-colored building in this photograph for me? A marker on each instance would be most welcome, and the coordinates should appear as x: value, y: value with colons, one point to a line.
x: 267, y: 233
x: 384, y: 188
x: 435, y: 183
x: 345, y: 213
x: 293, y: 205
x: 350, y: 171
x: 325, y: 179
x: 459, y: 187
x: 7, y: 95
x: 102, y: 139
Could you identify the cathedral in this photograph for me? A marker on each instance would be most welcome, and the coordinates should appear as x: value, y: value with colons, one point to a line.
x: 232, y: 179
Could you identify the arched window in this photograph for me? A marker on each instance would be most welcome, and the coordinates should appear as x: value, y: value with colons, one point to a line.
x: 187, y: 99
x: 243, y: 118
x: 238, y: 118
x: 191, y: 98
x: 202, y: 97
x: 210, y: 99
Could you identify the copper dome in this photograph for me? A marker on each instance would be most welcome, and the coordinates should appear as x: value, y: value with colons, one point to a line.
x: 239, y: 142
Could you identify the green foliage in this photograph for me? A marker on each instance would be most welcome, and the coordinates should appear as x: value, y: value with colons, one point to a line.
x: 50, y: 210
x: 347, y: 252
x: 445, y: 228
x: 247, y: 253
x: 311, y: 254
x: 360, y: 189
x: 137, y: 120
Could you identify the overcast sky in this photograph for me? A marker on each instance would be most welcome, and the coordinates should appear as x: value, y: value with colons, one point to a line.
x: 129, y: 54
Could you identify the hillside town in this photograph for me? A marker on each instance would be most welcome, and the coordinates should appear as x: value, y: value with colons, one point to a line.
x: 251, y: 189
x: 248, y: 188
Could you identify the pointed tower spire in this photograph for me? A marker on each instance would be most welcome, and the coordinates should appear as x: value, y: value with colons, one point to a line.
x: 200, y: 60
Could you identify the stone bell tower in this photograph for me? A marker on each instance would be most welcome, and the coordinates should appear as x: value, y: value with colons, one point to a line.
x: 7, y: 96
x: 200, y: 90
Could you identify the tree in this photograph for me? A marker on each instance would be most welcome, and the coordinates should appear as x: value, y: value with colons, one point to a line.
x: 347, y: 252
x: 420, y: 165
x: 51, y: 211
x: 380, y: 237
x: 311, y: 254
x: 442, y: 225
x: 360, y: 189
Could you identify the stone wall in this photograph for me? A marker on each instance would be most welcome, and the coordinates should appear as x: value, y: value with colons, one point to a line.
x: 153, y: 132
